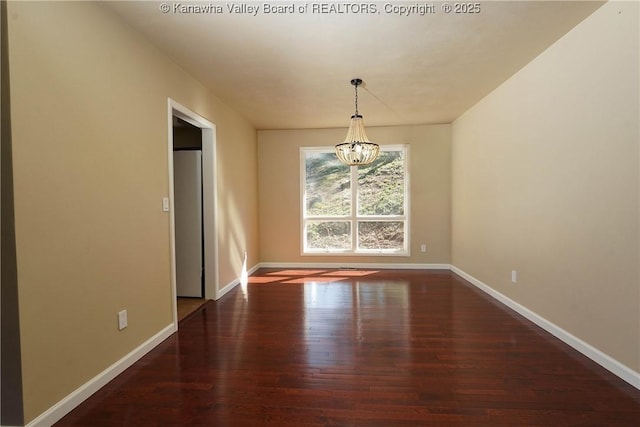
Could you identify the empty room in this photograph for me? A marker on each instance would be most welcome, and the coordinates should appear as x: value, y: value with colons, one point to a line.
x: 310, y: 213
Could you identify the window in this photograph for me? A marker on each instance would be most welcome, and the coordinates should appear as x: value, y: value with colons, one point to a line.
x: 355, y: 210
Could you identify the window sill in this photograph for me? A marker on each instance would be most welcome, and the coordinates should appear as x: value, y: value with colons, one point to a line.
x: 359, y: 253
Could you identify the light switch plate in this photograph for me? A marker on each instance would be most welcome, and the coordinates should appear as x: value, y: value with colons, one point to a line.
x: 165, y: 204
x: 122, y: 319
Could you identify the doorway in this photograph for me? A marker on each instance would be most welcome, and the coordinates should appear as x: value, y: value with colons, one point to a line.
x: 187, y: 208
x: 192, y: 189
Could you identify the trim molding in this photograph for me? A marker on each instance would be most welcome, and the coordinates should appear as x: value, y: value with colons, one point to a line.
x: 235, y: 282
x: 602, y: 359
x: 221, y: 292
x: 66, y: 405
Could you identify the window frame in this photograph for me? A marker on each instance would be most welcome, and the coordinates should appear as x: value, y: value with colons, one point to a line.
x: 354, y: 218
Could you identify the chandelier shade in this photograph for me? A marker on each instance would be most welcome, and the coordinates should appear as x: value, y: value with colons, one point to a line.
x: 357, y: 149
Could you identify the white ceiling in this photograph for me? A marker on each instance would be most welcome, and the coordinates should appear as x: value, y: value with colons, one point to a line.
x: 283, y: 70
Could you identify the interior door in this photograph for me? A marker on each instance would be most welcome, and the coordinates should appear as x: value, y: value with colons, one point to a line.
x: 187, y: 181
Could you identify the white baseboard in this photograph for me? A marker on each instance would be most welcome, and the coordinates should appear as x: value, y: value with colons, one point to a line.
x: 66, y: 405
x: 377, y: 266
x: 234, y: 283
x: 604, y: 360
x: 227, y: 288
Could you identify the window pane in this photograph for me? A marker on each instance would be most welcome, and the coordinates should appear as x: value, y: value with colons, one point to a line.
x: 381, y: 235
x: 328, y: 235
x: 381, y: 185
x: 328, y: 185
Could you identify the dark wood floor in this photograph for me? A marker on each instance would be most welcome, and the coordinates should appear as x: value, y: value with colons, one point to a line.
x: 360, y: 348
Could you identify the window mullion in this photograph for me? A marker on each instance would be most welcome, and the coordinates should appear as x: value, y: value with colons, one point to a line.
x: 354, y: 208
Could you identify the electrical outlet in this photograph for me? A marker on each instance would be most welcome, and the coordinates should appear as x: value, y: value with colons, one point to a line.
x: 423, y: 248
x: 122, y: 319
x: 514, y: 276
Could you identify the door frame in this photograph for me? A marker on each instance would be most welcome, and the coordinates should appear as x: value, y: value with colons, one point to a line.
x: 209, y: 200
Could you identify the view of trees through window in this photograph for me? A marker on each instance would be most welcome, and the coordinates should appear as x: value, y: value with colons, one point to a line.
x: 354, y: 209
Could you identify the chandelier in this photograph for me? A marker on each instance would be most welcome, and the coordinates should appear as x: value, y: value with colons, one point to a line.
x: 357, y: 149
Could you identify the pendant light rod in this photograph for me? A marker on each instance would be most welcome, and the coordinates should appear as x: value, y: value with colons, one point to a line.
x: 356, y: 83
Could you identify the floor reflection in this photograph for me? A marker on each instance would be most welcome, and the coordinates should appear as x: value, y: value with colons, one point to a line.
x: 306, y: 276
x: 347, y: 322
x: 347, y: 318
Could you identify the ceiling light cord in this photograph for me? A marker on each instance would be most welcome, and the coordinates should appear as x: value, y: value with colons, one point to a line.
x: 377, y: 98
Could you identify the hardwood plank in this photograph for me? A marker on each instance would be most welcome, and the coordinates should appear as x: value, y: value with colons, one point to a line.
x: 376, y: 348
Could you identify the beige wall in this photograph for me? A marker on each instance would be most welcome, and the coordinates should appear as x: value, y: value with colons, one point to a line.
x: 546, y: 182
x: 89, y: 121
x: 279, y: 191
